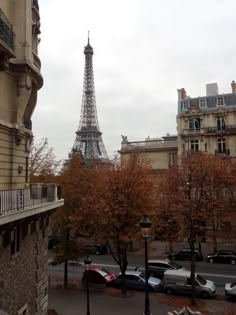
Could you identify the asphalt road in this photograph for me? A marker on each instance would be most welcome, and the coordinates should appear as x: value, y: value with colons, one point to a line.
x: 218, y: 273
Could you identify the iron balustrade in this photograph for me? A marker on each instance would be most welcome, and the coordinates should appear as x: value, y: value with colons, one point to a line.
x: 6, y: 33
x: 227, y: 128
x: 151, y: 144
x: 12, y: 201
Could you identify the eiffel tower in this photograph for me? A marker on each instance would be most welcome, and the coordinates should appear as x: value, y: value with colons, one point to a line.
x: 88, y: 142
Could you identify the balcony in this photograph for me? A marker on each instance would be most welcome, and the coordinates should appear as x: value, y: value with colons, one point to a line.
x: 226, y: 129
x: 222, y: 153
x: 7, y: 37
x: 21, y: 203
x: 193, y: 131
x: 37, y: 61
x: 150, y: 144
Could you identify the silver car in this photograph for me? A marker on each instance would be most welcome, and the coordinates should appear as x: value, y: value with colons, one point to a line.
x: 136, y: 280
x: 230, y: 290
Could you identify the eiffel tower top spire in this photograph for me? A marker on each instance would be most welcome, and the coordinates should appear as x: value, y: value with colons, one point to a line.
x: 88, y: 142
x: 88, y: 49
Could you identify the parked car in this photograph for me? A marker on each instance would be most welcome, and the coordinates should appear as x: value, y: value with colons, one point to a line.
x: 98, y: 249
x: 222, y: 256
x: 136, y: 280
x: 97, y: 277
x: 185, y: 254
x: 52, y: 243
x: 157, y: 267
x: 179, y: 281
x: 230, y: 290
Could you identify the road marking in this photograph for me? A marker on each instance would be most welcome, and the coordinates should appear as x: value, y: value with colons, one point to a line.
x: 215, y: 275
x: 141, y: 268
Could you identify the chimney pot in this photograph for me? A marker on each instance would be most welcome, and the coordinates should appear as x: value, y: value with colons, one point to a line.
x: 182, y: 94
x: 233, y: 85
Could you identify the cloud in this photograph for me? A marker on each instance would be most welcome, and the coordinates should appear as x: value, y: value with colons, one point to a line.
x: 143, y: 52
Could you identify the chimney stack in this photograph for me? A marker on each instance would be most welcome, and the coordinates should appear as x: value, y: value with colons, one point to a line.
x: 233, y: 85
x: 182, y: 94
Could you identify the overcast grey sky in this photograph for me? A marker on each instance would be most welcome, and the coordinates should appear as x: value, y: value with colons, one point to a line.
x: 143, y: 52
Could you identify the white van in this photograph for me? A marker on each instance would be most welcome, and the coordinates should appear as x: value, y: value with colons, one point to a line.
x: 179, y: 281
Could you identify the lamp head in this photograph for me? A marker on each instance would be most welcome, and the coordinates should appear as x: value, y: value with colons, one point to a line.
x: 145, y: 226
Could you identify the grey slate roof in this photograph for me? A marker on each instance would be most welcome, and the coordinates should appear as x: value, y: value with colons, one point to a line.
x: 211, y: 101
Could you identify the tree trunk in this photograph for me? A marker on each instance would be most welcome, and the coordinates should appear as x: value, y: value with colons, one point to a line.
x: 214, y: 238
x: 65, y: 274
x: 120, y: 258
x: 66, y: 258
x: 123, y: 283
x: 193, y: 269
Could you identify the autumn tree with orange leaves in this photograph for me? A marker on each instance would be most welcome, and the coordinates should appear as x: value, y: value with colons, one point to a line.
x: 109, y: 204
x: 43, y: 165
x: 129, y: 193
x: 193, y: 193
x: 166, y: 224
x: 81, y: 208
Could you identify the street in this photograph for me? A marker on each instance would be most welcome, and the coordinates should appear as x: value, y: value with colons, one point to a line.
x: 218, y: 273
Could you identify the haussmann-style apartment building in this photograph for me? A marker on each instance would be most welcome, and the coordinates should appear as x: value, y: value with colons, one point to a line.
x: 206, y: 123
x: 24, y: 209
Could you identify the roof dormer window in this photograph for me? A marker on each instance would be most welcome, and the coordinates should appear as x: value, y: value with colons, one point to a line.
x: 202, y: 103
x: 220, y: 101
x: 185, y: 105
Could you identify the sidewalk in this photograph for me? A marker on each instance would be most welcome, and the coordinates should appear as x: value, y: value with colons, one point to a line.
x: 72, y: 301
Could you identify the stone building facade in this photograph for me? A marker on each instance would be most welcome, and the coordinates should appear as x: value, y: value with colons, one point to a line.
x: 160, y: 153
x: 24, y: 209
x: 20, y: 79
x: 207, y: 123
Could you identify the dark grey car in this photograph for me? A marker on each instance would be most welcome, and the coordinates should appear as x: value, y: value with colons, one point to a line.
x: 136, y: 280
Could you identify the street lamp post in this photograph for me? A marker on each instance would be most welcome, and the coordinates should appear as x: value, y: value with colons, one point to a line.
x: 87, y: 262
x: 145, y: 226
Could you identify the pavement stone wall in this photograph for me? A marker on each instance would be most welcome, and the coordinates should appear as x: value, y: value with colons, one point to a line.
x: 24, y: 274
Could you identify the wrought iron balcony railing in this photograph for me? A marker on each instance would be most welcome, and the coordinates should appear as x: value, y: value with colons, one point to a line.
x: 225, y: 129
x: 193, y: 131
x: 222, y: 152
x: 12, y: 201
x: 6, y: 33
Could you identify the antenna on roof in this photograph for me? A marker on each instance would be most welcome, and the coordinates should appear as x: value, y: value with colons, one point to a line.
x: 88, y: 37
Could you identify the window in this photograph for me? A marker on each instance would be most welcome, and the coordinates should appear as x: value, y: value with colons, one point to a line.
x: 185, y: 105
x: 194, y: 123
x: 203, y: 103
x: 33, y: 227
x: 172, y: 159
x: 15, y: 240
x: 194, y: 145
x: 221, y: 146
x: 189, y: 282
x: 220, y: 123
x: 26, y: 169
x: 220, y: 101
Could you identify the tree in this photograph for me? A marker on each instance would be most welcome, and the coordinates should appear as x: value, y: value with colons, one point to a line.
x: 79, y: 215
x: 190, y: 188
x: 43, y: 165
x: 167, y: 227
x: 128, y: 192
x: 112, y: 200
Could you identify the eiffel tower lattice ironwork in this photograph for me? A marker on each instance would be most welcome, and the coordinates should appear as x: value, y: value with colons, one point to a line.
x: 88, y: 142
